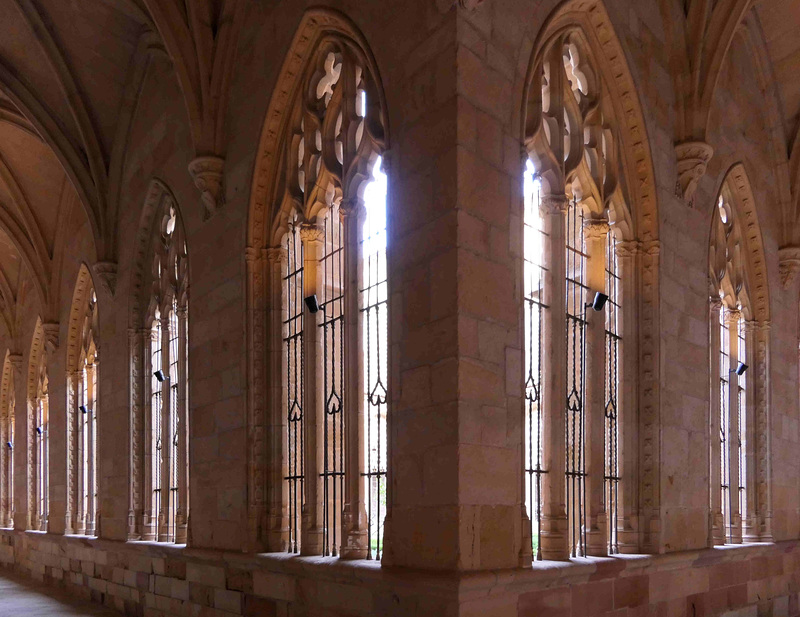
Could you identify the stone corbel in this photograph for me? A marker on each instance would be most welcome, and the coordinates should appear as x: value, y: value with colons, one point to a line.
x: 693, y: 158
x: 468, y: 5
x: 16, y: 363
x: 50, y: 336
x: 206, y: 172
x: 788, y: 264
x: 106, y: 274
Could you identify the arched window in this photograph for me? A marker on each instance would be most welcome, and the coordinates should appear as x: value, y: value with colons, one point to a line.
x: 329, y: 265
x: 84, y: 407
x: 7, y: 447
x: 576, y: 220
x: 159, y: 372
x: 40, y: 438
x: 733, y: 329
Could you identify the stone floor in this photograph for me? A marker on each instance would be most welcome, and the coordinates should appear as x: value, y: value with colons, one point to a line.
x: 22, y: 597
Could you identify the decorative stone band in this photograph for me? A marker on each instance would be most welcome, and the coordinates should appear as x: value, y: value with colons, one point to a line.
x: 309, y: 232
x: 553, y: 204
x: 788, y: 264
x: 595, y: 229
x: 693, y: 158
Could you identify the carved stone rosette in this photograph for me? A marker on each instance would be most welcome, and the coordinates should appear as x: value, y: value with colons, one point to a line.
x: 693, y: 158
x: 206, y: 172
x: 788, y: 264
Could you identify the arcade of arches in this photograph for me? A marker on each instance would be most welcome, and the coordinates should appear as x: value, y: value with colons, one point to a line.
x: 419, y: 307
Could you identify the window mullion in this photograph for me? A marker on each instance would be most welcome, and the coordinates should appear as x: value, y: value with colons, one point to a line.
x: 734, y: 533
x: 554, y: 532
x: 717, y: 530
x: 181, y: 522
x: 166, y: 415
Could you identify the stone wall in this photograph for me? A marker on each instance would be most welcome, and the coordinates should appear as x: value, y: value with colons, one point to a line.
x: 156, y: 580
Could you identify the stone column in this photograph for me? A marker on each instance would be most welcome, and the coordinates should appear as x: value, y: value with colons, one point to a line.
x: 91, y: 448
x: 734, y: 534
x: 150, y: 515
x: 277, y: 447
x: 182, y: 505
x: 354, y: 518
x: 313, y: 239
x: 136, y: 432
x: 595, y: 233
x: 763, y: 432
x: 73, y: 516
x: 627, y: 419
x: 163, y: 430
x: 716, y: 523
x: 555, y: 539
x: 749, y: 526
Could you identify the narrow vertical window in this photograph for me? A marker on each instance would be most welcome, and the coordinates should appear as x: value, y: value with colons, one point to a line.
x: 332, y: 307
x: 293, y: 352
x: 156, y: 421
x: 724, y: 420
x: 534, y: 272
x: 83, y: 449
x: 613, y: 343
x: 741, y: 444
x: 576, y: 294
x: 172, y: 435
x: 41, y: 436
x: 374, y: 313
x: 10, y: 446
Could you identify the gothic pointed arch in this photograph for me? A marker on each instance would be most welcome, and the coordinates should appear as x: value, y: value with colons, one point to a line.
x: 82, y: 407
x: 325, y: 129
x: 158, y: 340
x: 586, y: 150
x: 739, y: 342
x: 37, y: 428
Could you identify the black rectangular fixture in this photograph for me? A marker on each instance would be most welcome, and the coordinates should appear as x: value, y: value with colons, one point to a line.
x: 312, y: 304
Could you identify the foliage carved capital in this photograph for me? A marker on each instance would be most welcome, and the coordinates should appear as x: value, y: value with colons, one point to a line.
x: 788, y: 264
x: 106, y: 274
x: 206, y: 171
x: 693, y: 158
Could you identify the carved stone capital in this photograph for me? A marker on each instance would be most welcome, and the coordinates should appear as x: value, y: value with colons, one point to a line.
x: 106, y: 274
x: 595, y: 229
x: 715, y: 304
x: 732, y: 316
x: 16, y: 363
x: 252, y: 255
x: 693, y: 158
x: 50, y: 336
x: 206, y: 172
x: 309, y: 233
x: 352, y: 207
x: 788, y: 264
x: 276, y: 254
x: 553, y: 204
x: 628, y: 248
x: 652, y: 247
x: 468, y: 5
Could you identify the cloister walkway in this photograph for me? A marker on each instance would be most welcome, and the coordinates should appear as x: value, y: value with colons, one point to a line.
x: 23, y: 597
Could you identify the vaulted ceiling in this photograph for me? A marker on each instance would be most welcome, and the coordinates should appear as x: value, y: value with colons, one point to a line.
x: 68, y: 74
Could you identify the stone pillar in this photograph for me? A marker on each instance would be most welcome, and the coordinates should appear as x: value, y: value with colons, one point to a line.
x: 763, y: 432
x: 628, y: 516
x: 716, y: 524
x: 277, y: 447
x: 734, y: 534
x: 354, y: 518
x: 73, y: 515
x: 20, y: 504
x: 139, y: 363
x: 595, y: 232
x: 313, y: 238
x: 555, y: 539
x: 150, y: 516
x: 166, y: 412
x: 182, y: 506
x: 749, y: 527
